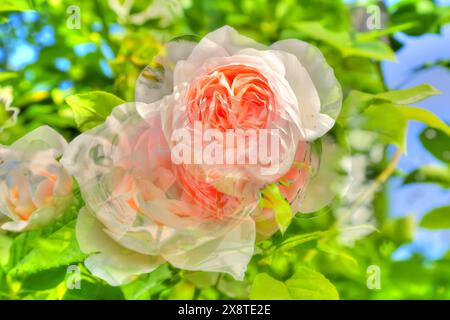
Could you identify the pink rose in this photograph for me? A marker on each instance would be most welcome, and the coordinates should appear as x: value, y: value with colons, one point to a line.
x: 145, y: 207
x: 142, y: 210
x: 229, y: 82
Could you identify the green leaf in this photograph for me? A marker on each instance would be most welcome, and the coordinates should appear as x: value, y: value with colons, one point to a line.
x: 21, y: 246
x: 307, y: 284
x: 147, y: 285
x: 385, y: 113
x: 387, y: 121
x: 7, y: 76
x: 93, y: 291
x: 45, y: 279
x: 267, y: 288
x: 232, y: 288
x: 14, y: 5
x: 297, y: 240
x: 409, y: 95
x: 182, y: 291
x: 374, y: 49
x: 5, y: 245
x: 357, y: 101
x: 92, y: 108
x: 430, y: 174
x: 201, y: 279
x: 400, y: 230
x: 437, y: 219
x: 424, y: 13
x: 25, y: 242
x: 274, y: 199
x: 374, y: 34
x: 316, y: 31
x: 354, y: 104
x: 58, y: 249
x: 437, y: 143
x: 425, y: 116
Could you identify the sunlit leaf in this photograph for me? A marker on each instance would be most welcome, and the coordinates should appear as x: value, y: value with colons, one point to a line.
x: 316, y: 31
x: 30, y: 98
x: 265, y: 287
x: 374, y: 49
x: 374, y: 34
x: 297, y: 240
x: 233, y: 288
x: 307, y: 284
x: 409, y: 95
x: 436, y: 142
x: 430, y: 174
x: 5, y: 244
x: 387, y: 121
x: 274, y: 199
x: 7, y: 76
x: 400, y: 230
x: 92, y: 108
x: 202, y: 279
x: 15, y: 5
x: 58, y: 249
x: 425, y: 116
x: 437, y: 219
x: 182, y: 291
x: 147, y: 285
x: 355, y: 103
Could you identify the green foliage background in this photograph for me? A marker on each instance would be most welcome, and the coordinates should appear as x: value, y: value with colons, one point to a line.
x: 309, y: 261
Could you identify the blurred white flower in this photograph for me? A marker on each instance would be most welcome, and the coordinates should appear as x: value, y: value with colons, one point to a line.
x: 34, y: 187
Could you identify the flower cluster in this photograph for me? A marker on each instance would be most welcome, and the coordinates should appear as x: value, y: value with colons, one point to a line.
x: 257, y: 107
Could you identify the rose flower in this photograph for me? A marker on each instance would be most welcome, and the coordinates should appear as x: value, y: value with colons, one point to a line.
x: 176, y: 176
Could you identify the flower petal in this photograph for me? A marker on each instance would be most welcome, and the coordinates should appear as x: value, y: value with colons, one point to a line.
x: 223, y: 42
x: 41, y: 139
x: 231, y: 40
x: 322, y: 75
x: 95, y: 158
x: 153, y: 84
x: 111, y: 262
x: 229, y: 253
x: 120, y: 267
x: 38, y: 219
x: 326, y: 184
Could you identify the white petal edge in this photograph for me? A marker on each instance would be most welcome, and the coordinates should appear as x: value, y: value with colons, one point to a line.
x: 41, y: 139
x: 232, y: 41
x: 38, y: 219
x: 152, y: 85
x: 223, y: 42
x: 230, y: 253
x: 109, y: 261
x: 325, y: 185
x: 322, y: 75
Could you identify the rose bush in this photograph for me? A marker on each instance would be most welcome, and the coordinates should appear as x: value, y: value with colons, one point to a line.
x: 34, y: 188
x: 143, y: 209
